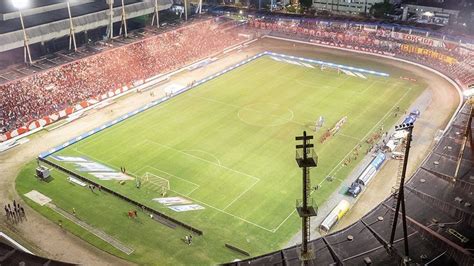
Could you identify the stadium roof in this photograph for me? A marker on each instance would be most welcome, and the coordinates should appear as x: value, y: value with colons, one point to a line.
x: 48, y: 19
x: 8, y: 11
x: 13, y: 254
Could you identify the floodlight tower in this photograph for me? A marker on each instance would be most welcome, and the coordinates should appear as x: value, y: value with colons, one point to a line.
x: 306, y: 159
x: 156, y: 15
x: 20, y: 4
x: 124, y: 21
x: 72, y: 36
x: 401, y: 192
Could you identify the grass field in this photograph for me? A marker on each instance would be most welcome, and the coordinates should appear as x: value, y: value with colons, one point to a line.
x: 228, y: 146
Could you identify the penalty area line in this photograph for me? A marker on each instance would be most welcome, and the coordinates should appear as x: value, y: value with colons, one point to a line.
x: 202, y: 159
x: 196, y: 186
x: 241, y: 194
x: 222, y: 211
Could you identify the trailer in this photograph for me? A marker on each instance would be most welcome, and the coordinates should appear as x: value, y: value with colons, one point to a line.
x: 335, y: 215
x: 371, y: 169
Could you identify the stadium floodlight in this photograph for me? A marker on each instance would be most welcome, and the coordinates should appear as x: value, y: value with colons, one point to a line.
x: 20, y: 4
x: 428, y: 14
x: 469, y: 93
x: 404, y: 126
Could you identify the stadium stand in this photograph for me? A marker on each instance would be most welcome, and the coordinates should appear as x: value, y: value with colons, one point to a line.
x: 50, y: 95
x: 439, y: 215
x: 12, y: 256
x: 449, y: 57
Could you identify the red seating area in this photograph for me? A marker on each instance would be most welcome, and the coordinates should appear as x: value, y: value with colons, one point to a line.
x: 53, y: 90
x: 434, y: 53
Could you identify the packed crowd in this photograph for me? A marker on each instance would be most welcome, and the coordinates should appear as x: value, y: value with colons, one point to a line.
x: 452, y: 60
x: 49, y: 92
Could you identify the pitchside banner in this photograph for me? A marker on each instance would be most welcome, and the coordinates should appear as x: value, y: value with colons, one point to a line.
x: 417, y: 39
x: 407, y: 48
x: 448, y: 45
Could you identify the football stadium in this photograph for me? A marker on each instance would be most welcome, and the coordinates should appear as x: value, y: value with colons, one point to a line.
x: 134, y: 132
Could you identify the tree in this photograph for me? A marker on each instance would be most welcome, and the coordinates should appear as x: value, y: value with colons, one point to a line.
x: 379, y: 10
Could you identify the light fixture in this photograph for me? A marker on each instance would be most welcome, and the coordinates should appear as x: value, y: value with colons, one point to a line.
x: 20, y: 4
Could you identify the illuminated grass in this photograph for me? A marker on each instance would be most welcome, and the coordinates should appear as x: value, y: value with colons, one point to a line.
x: 227, y: 145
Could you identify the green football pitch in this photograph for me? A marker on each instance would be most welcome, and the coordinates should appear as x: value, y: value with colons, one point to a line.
x: 228, y: 147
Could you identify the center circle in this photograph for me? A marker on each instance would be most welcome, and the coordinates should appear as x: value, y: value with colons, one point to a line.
x: 265, y: 114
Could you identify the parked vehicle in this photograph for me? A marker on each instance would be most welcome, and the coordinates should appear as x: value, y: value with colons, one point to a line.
x: 355, y: 189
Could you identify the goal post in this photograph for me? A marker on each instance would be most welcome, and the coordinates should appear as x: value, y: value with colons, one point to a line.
x: 161, y: 183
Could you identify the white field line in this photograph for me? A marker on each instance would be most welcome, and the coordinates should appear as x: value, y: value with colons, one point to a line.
x: 203, y: 203
x: 369, y: 132
x: 196, y: 186
x: 289, y: 120
x: 95, y: 159
x: 152, y: 167
x: 154, y: 183
x: 217, y: 209
x: 236, y: 106
x: 316, y: 84
x: 348, y: 136
x: 372, y: 129
x: 111, y: 157
x: 227, y: 168
x: 392, y: 85
x: 451, y: 81
x: 350, y: 152
x: 205, y: 152
x: 258, y: 179
x: 241, y: 194
x: 368, y: 87
x: 191, y: 192
x: 86, y: 142
x: 204, y: 160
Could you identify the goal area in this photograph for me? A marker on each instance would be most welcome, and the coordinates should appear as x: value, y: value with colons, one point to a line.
x: 161, y: 183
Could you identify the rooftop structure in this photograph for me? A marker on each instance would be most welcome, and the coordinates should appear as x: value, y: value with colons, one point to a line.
x: 46, y: 20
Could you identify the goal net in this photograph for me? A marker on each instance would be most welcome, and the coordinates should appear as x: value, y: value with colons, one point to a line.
x: 162, y: 184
